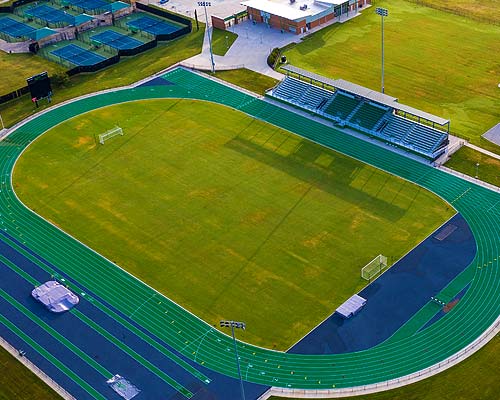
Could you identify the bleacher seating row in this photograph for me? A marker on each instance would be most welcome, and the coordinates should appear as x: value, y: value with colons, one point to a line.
x: 302, y: 93
x: 373, y: 119
x: 341, y: 106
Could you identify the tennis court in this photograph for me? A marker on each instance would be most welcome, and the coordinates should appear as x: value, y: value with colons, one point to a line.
x: 14, y: 28
x: 116, y: 40
x: 88, y: 5
x: 154, y: 26
x: 50, y: 14
x: 78, y: 55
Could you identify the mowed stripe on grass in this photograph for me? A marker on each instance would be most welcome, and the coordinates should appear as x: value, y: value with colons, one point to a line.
x: 226, y: 215
x: 436, y: 61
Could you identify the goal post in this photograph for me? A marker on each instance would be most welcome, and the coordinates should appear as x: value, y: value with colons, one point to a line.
x: 374, y: 267
x: 109, y: 134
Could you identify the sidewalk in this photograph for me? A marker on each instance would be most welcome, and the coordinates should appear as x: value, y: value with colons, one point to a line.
x: 481, y: 150
x: 250, y: 49
x: 253, y: 45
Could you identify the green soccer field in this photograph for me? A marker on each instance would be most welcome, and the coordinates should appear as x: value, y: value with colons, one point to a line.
x: 435, y: 61
x: 226, y: 215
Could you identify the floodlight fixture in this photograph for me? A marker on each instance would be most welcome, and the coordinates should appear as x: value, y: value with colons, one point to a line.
x: 232, y: 324
x: 383, y: 12
x: 212, y: 62
x: 237, y: 325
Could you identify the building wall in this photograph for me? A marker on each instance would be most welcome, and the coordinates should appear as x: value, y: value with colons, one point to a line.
x: 218, y: 23
x: 361, y: 4
x: 300, y: 26
x: 287, y: 25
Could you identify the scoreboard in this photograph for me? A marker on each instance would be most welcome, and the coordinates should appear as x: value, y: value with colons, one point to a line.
x: 39, y: 86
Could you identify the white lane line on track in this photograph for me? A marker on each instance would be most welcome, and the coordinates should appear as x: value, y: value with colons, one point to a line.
x: 144, y: 302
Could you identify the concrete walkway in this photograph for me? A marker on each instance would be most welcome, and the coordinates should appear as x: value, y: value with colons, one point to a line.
x: 14, y: 47
x: 251, y: 48
x: 480, y: 149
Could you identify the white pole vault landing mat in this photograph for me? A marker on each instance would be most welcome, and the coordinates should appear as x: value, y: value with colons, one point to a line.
x: 352, y: 306
x: 123, y: 387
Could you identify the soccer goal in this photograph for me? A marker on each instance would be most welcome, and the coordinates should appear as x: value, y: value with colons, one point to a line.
x: 109, y: 134
x: 374, y: 267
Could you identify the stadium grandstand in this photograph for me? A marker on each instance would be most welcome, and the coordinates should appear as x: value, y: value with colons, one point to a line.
x: 373, y: 113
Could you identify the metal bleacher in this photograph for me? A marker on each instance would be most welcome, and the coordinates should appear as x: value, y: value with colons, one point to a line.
x: 368, y: 115
x: 290, y: 89
x: 425, y: 138
x: 397, y: 128
x: 301, y: 93
x: 315, y: 97
x: 341, y: 106
x: 373, y: 115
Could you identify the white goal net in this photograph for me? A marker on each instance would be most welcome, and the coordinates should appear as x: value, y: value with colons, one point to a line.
x: 109, y: 134
x: 374, y: 267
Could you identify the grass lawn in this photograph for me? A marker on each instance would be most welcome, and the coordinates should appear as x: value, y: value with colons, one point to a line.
x: 19, y: 383
x: 476, y: 378
x: 465, y: 160
x: 436, y: 61
x: 222, y: 41
x: 127, y: 71
x: 482, y: 10
x: 248, y: 79
x: 16, y: 68
x: 223, y: 207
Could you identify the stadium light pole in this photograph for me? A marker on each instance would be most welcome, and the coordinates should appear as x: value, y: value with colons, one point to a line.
x: 477, y: 170
x: 1, y: 120
x: 238, y: 325
x: 383, y: 13
x: 212, y: 63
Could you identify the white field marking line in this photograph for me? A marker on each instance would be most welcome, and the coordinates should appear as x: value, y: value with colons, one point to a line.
x: 461, y: 194
x: 202, y: 337
x: 134, y: 278
x: 364, y: 162
x: 493, y: 206
x: 270, y: 123
x: 144, y: 302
